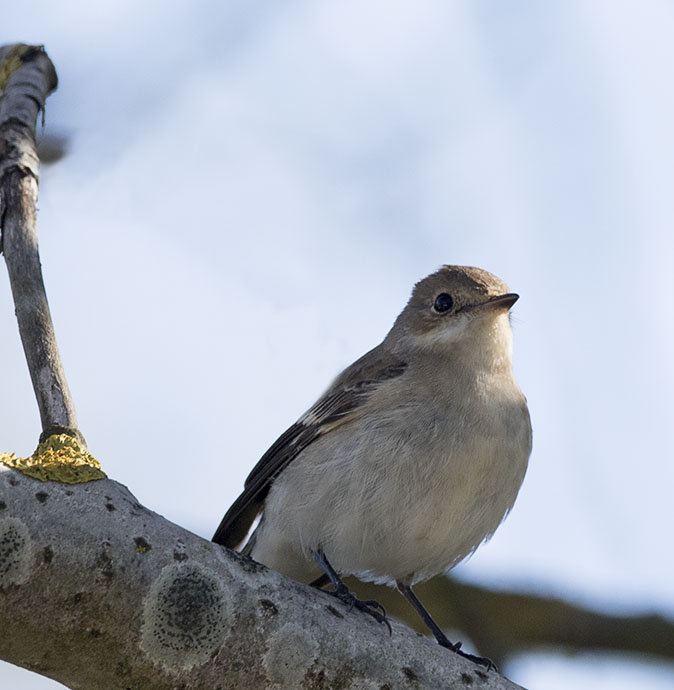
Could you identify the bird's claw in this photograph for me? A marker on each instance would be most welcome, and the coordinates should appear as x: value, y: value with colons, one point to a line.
x: 482, y: 660
x: 370, y: 606
x: 456, y: 647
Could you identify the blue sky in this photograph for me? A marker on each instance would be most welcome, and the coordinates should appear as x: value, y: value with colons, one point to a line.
x: 250, y: 192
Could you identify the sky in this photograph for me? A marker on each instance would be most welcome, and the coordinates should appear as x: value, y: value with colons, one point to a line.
x: 250, y: 191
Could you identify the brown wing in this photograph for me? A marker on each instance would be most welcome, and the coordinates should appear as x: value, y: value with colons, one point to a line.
x: 340, y: 403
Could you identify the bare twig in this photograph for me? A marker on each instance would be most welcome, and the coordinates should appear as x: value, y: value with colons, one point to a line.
x: 27, y: 77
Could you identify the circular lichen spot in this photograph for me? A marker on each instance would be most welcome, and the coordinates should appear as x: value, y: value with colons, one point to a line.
x: 15, y: 552
x: 291, y: 654
x: 186, y: 617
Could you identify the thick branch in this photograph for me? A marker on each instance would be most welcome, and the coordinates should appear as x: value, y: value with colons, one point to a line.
x: 97, y: 591
x: 27, y: 77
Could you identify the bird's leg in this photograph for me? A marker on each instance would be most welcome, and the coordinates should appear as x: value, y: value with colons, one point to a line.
x: 341, y: 591
x: 407, y: 592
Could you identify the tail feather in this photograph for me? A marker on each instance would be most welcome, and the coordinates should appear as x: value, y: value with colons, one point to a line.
x: 237, y: 522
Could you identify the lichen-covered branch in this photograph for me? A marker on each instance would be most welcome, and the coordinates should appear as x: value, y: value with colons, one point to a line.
x: 99, y: 592
x: 27, y: 77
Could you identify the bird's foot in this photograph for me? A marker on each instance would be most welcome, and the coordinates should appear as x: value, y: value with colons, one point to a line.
x: 370, y: 606
x: 481, y: 660
x: 456, y: 647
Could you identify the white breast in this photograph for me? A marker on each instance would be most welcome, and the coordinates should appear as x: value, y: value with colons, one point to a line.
x: 402, y: 498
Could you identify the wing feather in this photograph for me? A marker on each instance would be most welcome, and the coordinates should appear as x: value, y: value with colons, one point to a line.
x: 339, y: 404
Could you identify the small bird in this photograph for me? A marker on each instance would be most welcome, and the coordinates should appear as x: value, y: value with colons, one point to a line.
x: 409, y: 461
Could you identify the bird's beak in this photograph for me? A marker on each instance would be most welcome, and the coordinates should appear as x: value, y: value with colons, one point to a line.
x: 500, y: 301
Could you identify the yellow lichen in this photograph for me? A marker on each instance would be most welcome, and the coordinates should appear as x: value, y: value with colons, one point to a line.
x: 13, y: 60
x: 60, y: 458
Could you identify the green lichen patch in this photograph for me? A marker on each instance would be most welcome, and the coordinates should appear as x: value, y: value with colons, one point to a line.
x: 142, y: 546
x: 14, y: 58
x: 60, y: 458
x: 186, y: 617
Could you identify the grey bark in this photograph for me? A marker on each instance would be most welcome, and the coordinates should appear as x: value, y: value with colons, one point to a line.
x: 24, y: 91
x: 97, y: 591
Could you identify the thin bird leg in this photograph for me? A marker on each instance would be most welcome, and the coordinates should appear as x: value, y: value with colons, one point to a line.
x: 407, y: 592
x: 341, y: 591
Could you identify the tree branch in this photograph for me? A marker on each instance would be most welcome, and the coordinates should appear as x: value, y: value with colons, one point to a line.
x: 27, y: 77
x: 98, y: 591
x: 503, y: 624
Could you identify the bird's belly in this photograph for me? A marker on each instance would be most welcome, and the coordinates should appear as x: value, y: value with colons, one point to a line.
x: 423, y: 520
x: 396, y: 503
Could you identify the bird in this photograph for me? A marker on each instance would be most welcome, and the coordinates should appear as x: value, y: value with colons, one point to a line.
x: 408, y: 462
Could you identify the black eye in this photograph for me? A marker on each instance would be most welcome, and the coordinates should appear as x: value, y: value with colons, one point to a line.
x: 443, y: 302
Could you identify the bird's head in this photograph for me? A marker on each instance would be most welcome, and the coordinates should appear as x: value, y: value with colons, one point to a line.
x: 457, y: 307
